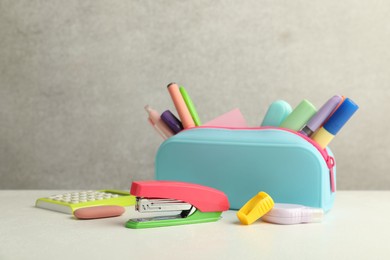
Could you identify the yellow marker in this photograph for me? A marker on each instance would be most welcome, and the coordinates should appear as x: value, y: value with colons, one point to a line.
x: 255, y: 208
x: 335, y: 123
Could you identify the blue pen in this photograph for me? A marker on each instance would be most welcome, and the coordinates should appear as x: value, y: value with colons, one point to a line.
x: 335, y: 123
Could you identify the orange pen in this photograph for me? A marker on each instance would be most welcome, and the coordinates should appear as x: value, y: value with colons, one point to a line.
x: 180, y: 105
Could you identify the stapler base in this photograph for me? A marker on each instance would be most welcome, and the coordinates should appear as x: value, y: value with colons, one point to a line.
x: 196, y: 217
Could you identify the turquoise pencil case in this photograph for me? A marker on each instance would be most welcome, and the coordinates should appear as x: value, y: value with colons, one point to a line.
x: 241, y: 162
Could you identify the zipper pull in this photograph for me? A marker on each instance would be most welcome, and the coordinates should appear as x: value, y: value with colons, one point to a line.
x: 331, y: 163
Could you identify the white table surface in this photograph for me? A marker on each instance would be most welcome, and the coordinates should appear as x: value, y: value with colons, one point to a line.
x: 358, y: 227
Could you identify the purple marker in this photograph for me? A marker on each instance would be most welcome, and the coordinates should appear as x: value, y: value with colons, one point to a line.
x: 172, y: 122
x: 319, y: 118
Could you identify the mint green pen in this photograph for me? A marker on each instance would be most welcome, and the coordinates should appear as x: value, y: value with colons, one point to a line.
x: 190, y: 106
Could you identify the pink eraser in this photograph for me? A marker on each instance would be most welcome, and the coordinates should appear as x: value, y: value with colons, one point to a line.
x: 99, y: 212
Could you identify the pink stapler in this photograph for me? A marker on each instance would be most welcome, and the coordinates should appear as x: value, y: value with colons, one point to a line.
x: 176, y: 203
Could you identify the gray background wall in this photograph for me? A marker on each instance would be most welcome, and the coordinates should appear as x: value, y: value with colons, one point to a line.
x: 75, y: 76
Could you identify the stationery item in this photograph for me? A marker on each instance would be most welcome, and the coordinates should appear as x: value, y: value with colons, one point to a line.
x: 288, y: 214
x: 159, y: 125
x: 176, y: 203
x: 171, y: 121
x: 276, y: 113
x: 190, y: 106
x: 290, y: 167
x: 342, y: 100
x: 334, y: 124
x: 255, y: 208
x: 180, y: 105
x: 299, y: 116
x: 96, y: 212
x: 319, y: 118
x: 232, y: 118
x: 71, y: 201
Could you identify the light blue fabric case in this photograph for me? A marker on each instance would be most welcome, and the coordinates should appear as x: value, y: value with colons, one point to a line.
x: 243, y: 162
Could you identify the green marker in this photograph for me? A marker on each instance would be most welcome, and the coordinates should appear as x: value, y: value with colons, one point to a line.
x: 299, y: 116
x: 190, y: 106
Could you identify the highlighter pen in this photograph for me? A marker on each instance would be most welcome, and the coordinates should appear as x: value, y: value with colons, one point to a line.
x: 335, y: 123
x: 172, y: 122
x: 299, y: 116
x: 342, y: 100
x: 180, y: 106
x: 276, y: 113
x: 155, y: 120
x: 319, y: 118
x: 190, y: 106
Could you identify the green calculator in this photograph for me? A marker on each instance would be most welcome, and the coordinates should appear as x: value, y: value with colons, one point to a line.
x: 70, y: 201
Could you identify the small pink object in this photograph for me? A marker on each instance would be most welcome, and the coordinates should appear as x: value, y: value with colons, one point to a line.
x: 99, y: 212
x: 233, y: 118
x: 204, y: 198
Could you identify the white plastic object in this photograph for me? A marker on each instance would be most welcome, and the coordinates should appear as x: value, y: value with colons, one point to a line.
x: 288, y: 214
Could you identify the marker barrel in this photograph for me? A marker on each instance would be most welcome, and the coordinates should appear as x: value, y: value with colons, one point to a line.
x: 323, y: 113
x: 299, y: 116
x: 180, y: 105
x: 335, y: 123
x: 190, y: 106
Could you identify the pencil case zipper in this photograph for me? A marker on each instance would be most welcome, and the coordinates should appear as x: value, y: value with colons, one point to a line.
x: 329, y: 160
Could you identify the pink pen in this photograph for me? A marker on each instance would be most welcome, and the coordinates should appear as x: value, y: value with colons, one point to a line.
x: 156, y: 121
x: 180, y: 106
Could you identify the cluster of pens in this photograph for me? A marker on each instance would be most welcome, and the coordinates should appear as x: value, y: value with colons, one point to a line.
x: 167, y: 124
x: 321, y: 125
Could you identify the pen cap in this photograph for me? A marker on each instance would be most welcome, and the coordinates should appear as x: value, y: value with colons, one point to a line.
x: 276, y: 113
x: 323, y: 113
x: 341, y: 116
x: 172, y: 121
x: 299, y: 116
